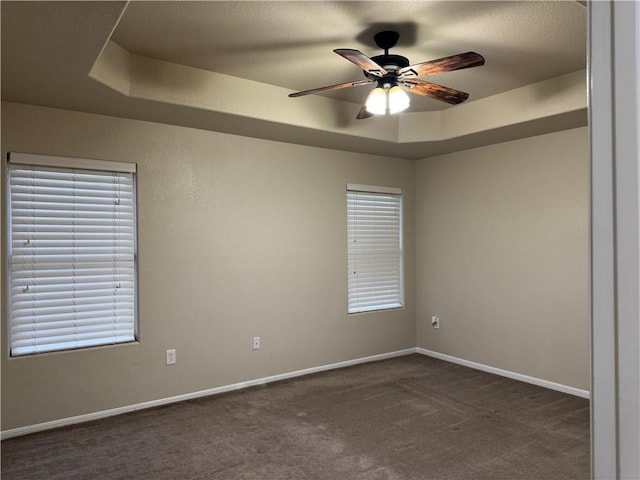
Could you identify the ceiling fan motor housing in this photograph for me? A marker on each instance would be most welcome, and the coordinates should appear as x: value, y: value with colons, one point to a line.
x: 391, y: 63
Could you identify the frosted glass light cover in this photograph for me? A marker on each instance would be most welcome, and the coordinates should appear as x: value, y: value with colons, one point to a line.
x: 398, y: 100
x: 377, y: 101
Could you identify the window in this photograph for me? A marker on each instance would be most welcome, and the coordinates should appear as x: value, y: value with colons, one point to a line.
x: 374, y: 238
x: 72, y: 253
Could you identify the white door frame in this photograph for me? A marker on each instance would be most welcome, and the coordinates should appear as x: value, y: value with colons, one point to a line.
x: 614, y: 121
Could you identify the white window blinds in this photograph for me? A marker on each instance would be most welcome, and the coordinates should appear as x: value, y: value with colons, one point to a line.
x: 374, y: 252
x: 72, y: 253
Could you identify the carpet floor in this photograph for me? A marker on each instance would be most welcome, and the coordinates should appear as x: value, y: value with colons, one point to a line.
x: 406, y: 418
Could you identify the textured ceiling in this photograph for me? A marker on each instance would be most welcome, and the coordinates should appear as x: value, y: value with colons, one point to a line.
x: 289, y: 44
x: 261, y: 51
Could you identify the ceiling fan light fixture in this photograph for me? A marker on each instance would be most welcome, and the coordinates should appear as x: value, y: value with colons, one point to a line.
x: 398, y: 99
x: 387, y: 98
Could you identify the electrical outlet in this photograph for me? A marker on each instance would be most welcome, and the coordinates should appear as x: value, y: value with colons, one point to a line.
x: 170, y: 357
x: 256, y: 343
x: 435, y: 322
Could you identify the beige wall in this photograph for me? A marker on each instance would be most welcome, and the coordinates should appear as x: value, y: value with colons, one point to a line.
x: 237, y: 237
x: 502, y: 256
x: 240, y: 237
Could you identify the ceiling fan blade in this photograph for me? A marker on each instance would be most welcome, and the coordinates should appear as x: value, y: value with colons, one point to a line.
x: 363, y: 113
x: 361, y: 60
x: 441, y: 65
x: 331, y: 87
x: 433, y: 90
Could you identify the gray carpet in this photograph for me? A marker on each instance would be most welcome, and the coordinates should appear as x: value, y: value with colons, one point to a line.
x: 406, y: 418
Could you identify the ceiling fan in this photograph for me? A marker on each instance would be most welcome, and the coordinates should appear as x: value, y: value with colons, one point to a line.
x: 394, y: 75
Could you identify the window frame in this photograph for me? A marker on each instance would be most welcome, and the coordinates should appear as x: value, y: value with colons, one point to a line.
x: 71, y: 164
x: 355, y: 308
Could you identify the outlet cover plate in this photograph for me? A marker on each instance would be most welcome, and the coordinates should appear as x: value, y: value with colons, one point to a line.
x: 170, y: 357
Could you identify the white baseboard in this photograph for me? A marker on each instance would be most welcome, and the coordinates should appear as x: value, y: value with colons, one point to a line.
x: 39, y: 427
x: 506, y: 373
